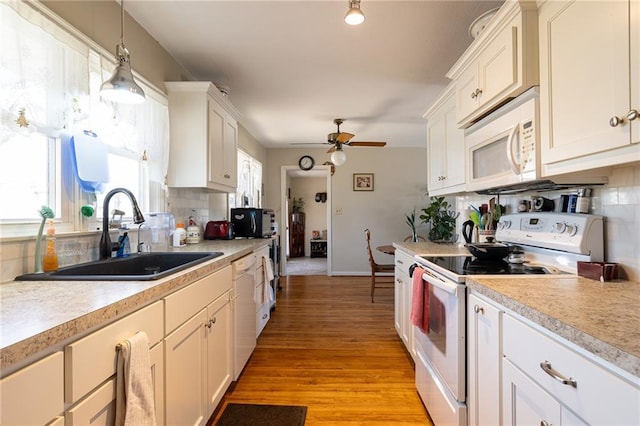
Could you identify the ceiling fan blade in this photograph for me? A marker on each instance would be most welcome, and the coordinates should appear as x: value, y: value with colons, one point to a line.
x: 333, y: 148
x: 344, y: 137
x: 362, y: 143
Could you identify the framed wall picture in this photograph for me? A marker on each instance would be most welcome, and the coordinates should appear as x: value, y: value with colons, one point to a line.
x: 363, y: 181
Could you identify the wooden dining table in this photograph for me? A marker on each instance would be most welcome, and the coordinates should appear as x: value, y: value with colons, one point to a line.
x: 388, y: 249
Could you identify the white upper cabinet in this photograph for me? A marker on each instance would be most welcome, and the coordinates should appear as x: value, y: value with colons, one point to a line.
x: 204, y: 137
x: 500, y: 64
x: 589, y: 84
x: 445, y: 147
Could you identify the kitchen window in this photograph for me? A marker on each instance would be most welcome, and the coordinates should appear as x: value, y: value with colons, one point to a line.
x: 249, y: 189
x: 50, y: 76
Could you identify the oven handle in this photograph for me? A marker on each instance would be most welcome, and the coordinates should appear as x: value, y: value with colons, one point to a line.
x: 450, y: 288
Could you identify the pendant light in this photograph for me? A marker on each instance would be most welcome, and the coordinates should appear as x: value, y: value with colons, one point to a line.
x: 122, y: 87
x: 354, y: 15
x: 338, y: 157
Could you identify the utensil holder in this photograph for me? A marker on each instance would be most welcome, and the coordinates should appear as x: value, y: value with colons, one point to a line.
x: 599, y: 271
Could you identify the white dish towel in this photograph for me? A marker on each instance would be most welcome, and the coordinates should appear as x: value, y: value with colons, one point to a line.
x: 268, y: 277
x: 135, y: 404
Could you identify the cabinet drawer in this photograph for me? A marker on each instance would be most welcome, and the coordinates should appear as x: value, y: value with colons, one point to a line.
x: 97, y: 409
x: 403, y: 261
x: 183, y: 304
x: 92, y: 359
x: 600, y: 395
x: 33, y: 395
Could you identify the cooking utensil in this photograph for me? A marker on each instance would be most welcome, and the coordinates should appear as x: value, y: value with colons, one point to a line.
x: 475, y: 218
x: 489, y: 250
x: 484, y: 220
x: 467, y: 230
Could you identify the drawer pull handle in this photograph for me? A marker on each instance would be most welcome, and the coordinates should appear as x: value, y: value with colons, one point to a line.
x: 546, y: 367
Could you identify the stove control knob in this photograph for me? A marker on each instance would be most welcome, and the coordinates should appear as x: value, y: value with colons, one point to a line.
x: 572, y: 230
x: 559, y: 227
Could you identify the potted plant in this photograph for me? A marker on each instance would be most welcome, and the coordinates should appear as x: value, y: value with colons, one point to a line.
x: 298, y: 205
x: 442, y: 219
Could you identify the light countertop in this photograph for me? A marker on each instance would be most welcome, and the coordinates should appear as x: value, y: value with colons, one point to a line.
x: 41, y: 316
x: 602, y: 318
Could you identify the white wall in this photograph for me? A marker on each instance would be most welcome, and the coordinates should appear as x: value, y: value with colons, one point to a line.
x: 399, y: 185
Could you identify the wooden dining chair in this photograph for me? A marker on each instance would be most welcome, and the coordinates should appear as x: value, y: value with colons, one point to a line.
x: 377, y: 269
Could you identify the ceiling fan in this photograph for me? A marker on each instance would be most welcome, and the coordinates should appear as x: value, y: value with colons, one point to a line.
x: 338, y: 139
x: 343, y: 138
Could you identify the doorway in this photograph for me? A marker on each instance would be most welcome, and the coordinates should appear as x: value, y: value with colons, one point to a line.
x: 288, y: 173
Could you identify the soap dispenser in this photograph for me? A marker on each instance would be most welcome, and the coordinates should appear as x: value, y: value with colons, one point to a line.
x: 50, y: 258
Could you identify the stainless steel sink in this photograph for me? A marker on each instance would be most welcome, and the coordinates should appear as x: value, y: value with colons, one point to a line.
x: 136, y: 267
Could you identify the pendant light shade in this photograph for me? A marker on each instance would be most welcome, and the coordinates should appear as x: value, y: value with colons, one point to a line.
x: 354, y: 15
x: 122, y: 87
x: 338, y: 157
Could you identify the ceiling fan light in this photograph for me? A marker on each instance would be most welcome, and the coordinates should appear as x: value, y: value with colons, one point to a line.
x: 338, y: 157
x: 354, y: 15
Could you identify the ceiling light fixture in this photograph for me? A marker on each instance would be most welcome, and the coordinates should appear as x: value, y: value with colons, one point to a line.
x: 354, y: 15
x: 121, y: 87
x: 338, y: 157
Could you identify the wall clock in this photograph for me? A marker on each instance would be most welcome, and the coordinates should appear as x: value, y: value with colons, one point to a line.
x: 306, y: 162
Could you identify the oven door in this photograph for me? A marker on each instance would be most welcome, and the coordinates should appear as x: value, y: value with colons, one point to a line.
x: 444, y: 345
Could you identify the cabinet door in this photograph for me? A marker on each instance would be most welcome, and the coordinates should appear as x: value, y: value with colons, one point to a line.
x: 398, y: 305
x: 483, y: 362
x: 99, y: 407
x: 498, y: 66
x: 456, y: 173
x: 467, y: 86
x: 216, y: 142
x: 34, y: 394
x: 584, y: 54
x: 186, y: 373
x: 230, y: 153
x: 524, y: 402
x: 436, y: 145
x: 219, y: 350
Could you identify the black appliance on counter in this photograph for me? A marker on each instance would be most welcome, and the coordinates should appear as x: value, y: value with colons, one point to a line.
x: 250, y: 222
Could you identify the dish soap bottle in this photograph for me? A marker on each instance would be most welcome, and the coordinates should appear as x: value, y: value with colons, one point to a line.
x: 180, y: 236
x: 50, y: 258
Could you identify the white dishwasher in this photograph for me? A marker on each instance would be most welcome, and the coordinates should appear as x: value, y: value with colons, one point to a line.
x: 244, y: 311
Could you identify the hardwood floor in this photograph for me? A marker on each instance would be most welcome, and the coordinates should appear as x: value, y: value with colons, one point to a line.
x: 329, y: 348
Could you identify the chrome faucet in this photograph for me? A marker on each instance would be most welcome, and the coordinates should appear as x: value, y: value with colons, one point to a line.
x: 106, y: 246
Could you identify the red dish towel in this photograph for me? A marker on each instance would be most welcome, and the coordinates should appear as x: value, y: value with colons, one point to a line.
x: 420, y: 301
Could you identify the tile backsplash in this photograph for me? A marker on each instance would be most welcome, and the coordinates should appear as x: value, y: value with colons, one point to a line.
x: 618, y: 202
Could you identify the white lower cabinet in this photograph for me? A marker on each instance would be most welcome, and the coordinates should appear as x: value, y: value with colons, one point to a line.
x: 403, y: 290
x: 483, y: 361
x: 34, y: 394
x: 186, y: 372
x: 263, y: 304
x: 546, y: 379
x: 219, y: 335
x: 99, y: 407
x: 90, y: 367
x: 198, y: 349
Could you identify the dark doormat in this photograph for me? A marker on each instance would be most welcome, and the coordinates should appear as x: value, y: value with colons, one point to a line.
x: 262, y: 415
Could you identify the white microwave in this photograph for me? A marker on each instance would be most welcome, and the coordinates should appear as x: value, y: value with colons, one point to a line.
x: 503, y: 148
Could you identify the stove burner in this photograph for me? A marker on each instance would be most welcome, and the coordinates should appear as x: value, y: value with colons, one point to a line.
x: 479, y: 266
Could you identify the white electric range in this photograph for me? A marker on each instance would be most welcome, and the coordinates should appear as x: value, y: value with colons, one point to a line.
x: 552, y: 243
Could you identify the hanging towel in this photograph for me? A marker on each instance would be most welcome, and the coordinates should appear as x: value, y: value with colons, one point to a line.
x: 420, y: 301
x: 268, y: 277
x: 135, y: 403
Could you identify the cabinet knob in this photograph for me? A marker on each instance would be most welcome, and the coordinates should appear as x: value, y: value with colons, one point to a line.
x: 615, y: 121
x: 476, y: 94
x: 544, y: 423
x: 478, y: 309
x: 227, y: 176
x: 264, y: 316
x: 211, y: 322
x: 632, y: 115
